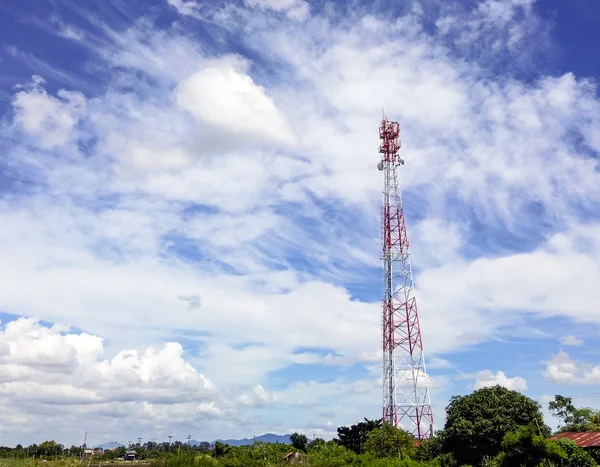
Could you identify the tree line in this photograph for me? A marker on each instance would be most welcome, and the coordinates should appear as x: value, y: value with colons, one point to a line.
x: 491, y: 427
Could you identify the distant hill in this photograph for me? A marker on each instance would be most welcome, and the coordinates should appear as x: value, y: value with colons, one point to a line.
x: 266, y: 438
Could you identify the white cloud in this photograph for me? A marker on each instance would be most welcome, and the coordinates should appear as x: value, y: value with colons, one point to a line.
x: 295, y: 9
x: 224, y: 96
x: 50, y: 119
x: 533, y: 278
x: 570, y: 341
x: 185, y: 7
x: 487, y: 378
x: 67, y: 31
x: 495, y: 28
x: 436, y: 363
x: 47, y: 374
x: 562, y: 369
x: 439, y: 242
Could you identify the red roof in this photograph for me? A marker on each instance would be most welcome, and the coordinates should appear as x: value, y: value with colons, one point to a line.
x: 590, y: 439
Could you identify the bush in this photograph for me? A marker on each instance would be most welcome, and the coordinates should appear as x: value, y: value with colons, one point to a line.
x: 576, y: 457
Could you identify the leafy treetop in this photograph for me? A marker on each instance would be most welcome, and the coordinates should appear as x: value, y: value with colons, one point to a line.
x: 477, y: 423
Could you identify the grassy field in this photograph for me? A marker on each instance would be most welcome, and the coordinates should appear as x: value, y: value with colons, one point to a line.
x: 69, y: 462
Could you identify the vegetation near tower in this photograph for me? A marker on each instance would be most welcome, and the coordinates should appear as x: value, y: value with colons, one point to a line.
x: 491, y: 427
x: 477, y: 423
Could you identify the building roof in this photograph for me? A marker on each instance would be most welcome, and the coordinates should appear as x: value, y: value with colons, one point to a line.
x: 589, y: 439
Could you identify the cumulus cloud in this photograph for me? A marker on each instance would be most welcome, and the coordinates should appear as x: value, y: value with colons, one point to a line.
x: 224, y: 96
x: 487, y: 378
x: 44, y: 367
x: 49, y: 119
x: 570, y: 341
x: 562, y: 369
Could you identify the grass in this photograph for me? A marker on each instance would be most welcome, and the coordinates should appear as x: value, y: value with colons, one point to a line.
x: 68, y: 462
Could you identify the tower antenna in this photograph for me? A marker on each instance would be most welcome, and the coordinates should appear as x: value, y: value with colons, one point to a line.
x: 406, y: 401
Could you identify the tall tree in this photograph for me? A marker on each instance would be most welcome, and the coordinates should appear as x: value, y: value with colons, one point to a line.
x: 526, y: 448
x: 574, y: 418
x: 299, y: 441
x: 204, y: 446
x: 389, y: 441
x: 477, y: 423
x: 355, y: 436
x: 315, y: 444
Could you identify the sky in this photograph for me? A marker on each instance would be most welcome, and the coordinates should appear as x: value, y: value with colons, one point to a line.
x: 189, y: 209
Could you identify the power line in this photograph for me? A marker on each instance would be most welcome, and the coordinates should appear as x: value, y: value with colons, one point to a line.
x: 586, y: 396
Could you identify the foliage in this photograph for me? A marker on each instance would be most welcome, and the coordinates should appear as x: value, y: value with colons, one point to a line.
x: 574, y: 418
x: 299, y: 441
x: 526, y: 448
x: 389, y: 441
x: 355, y: 436
x: 332, y: 454
x: 477, y: 423
x: 492, y: 427
x: 576, y: 457
x: 46, y: 450
x: 315, y: 445
x: 221, y: 449
x: 431, y: 448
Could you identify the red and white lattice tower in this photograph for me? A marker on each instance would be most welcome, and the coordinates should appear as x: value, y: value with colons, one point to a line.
x: 406, y: 401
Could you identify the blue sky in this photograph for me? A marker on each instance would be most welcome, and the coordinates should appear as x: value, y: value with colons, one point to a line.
x: 189, y: 205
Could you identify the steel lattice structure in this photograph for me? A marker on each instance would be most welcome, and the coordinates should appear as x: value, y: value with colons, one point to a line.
x: 406, y: 401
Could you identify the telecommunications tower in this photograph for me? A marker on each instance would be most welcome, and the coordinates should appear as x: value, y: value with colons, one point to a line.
x: 406, y: 401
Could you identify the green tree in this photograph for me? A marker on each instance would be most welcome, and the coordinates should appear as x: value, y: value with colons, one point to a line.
x: 477, y: 423
x: 221, y: 449
x: 50, y: 448
x: 429, y: 449
x: 389, y: 441
x: 526, y: 448
x: 355, y: 436
x: 299, y: 441
x: 332, y: 454
x: 574, y: 418
x: 315, y: 444
x: 576, y: 457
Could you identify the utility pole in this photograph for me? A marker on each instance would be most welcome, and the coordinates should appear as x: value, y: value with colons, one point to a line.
x: 84, y: 445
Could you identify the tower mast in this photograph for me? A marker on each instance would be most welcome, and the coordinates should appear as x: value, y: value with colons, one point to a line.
x: 406, y: 401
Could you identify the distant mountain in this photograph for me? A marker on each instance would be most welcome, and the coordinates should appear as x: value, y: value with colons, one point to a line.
x: 267, y: 438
